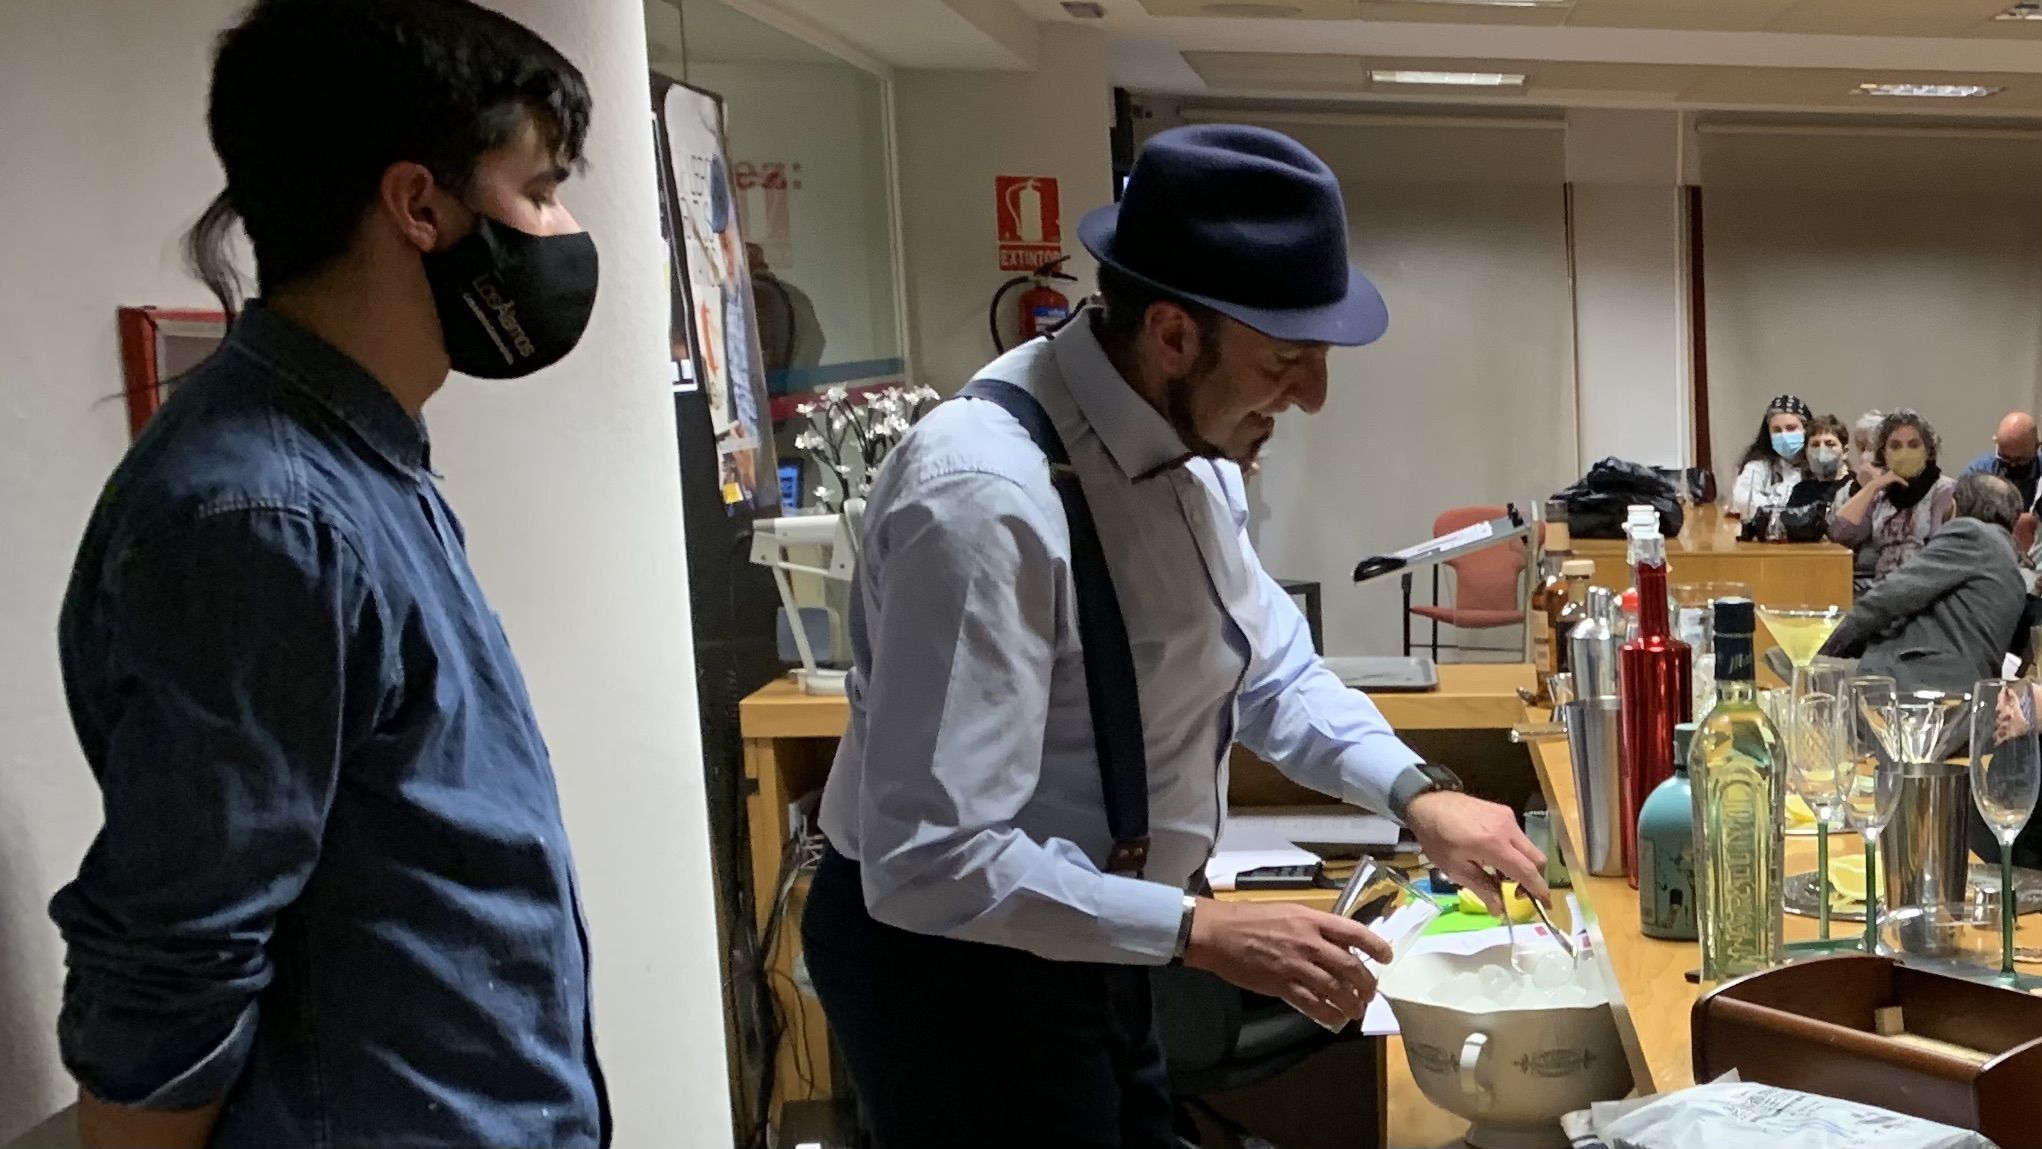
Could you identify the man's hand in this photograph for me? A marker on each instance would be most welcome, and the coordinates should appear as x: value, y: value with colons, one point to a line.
x: 1290, y: 952
x: 1476, y: 842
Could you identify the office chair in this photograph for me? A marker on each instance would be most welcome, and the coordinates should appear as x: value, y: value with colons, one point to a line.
x: 1488, y: 586
x: 1218, y: 1038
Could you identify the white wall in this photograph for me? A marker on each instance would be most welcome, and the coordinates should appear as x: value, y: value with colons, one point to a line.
x: 958, y: 130
x: 102, y: 100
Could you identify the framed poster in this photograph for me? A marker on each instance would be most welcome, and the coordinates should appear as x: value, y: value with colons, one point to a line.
x: 721, y: 326
x: 157, y: 345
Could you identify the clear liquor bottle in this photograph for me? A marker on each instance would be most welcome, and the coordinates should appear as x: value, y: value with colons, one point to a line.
x: 1739, y: 791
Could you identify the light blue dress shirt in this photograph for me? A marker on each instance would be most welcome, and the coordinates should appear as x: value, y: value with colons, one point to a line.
x: 967, y: 785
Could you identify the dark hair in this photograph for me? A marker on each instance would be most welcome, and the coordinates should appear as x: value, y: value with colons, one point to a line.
x: 1829, y: 425
x: 1124, y: 303
x: 1762, y: 444
x: 1905, y: 418
x: 312, y: 100
x: 1989, y: 499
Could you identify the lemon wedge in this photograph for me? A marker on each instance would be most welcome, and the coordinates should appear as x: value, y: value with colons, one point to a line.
x: 1521, y: 909
x: 1847, y: 876
x: 1798, y: 813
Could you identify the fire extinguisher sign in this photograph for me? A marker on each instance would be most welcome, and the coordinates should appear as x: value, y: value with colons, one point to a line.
x: 1031, y: 227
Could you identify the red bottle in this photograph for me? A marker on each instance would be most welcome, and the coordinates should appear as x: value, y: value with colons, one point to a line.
x: 1656, y: 689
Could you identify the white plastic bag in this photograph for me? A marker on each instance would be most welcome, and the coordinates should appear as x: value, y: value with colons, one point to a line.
x: 1739, y: 1115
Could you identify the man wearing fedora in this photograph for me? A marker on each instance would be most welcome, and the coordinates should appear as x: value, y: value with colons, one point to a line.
x: 1059, y: 628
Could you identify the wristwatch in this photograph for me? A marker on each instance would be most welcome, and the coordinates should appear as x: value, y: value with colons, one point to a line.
x: 1184, y: 930
x: 1423, y: 778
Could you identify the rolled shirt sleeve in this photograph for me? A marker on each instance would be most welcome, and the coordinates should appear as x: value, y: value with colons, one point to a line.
x: 955, y: 714
x: 229, y: 654
x: 1298, y: 715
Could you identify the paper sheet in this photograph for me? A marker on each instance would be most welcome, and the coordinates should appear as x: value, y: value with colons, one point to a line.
x: 1251, y: 847
x: 1345, y: 827
x: 1460, y: 538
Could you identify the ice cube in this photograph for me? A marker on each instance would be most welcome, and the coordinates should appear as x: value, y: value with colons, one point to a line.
x: 1552, y: 971
x: 1570, y: 995
x: 1494, y: 980
x: 1478, y: 1004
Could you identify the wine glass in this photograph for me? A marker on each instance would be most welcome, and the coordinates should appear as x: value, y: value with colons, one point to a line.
x: 1814, y: 751
x: 2006, y: 778
x: 1871, y: 776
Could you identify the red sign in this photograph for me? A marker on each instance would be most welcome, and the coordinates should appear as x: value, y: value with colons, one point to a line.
x: 1031, y: 225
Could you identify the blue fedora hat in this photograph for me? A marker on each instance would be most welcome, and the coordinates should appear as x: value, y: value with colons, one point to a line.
x: 1247, y: 222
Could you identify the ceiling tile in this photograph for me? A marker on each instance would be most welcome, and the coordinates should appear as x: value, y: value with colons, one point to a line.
x: 1886, y: 17
x: 1694, y: 15
x: 1278, y: 71
x: 1545, y: 14
x: 1837, y: 88
x: 1274, y: 9
x: 1660, y: 80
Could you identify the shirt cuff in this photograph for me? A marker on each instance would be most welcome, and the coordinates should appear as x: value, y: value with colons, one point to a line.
x: 1142, y: 918
x: 1370, y: 775
x: 198, y: 1085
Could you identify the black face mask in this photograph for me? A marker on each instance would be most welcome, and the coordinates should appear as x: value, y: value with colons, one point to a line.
x: 511, y: 302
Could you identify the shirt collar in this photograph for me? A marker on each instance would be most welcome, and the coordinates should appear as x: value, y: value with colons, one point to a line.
x: 337, y: 382
x: 1141, y: 442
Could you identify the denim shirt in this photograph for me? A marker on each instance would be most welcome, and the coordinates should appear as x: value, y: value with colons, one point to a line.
x: 333, y: 888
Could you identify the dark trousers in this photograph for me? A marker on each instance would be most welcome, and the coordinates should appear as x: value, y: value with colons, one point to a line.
x: 952, y: 1044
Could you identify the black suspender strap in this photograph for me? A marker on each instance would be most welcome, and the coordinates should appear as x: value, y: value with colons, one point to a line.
x: 1109, y: 661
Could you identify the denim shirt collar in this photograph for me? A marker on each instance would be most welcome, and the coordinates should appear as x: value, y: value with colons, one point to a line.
x: 337, y: 382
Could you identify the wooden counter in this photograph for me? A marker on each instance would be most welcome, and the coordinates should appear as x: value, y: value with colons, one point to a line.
x: 1651, y: 975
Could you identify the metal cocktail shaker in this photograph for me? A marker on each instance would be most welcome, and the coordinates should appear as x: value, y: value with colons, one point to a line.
x: 1926, y: 859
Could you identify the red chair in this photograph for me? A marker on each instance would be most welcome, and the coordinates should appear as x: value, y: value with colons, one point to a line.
x: 2024, y: 533
x: 1488, y: 585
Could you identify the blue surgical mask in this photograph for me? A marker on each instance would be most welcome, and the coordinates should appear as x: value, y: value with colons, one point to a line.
x: 1787, y: 444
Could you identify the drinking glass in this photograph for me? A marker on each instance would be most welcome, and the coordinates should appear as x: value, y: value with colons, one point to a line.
x: 1814, y: 752
x: 2006, y: 778
x: 1870, y: 783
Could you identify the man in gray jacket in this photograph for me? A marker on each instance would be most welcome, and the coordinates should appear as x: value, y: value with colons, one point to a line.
x: 1946, y: 617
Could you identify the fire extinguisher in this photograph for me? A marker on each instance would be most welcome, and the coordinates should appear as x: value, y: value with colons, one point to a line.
x: 1043, y: 307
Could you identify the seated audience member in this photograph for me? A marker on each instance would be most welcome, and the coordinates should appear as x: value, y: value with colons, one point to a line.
x: 1772, y: 464
x: 1825, y: 476
x: 2013, y: 456
x: 1943, y: 619
x: 1864, y: 444
x: 1898, y: 510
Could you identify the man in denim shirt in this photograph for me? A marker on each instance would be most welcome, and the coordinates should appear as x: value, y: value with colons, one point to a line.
x: 332, y: 903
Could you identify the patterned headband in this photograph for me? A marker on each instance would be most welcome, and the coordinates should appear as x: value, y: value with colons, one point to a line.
x: 1790, y: 405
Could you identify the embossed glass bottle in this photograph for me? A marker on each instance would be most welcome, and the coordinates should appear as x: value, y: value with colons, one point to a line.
x: 1738, y: 794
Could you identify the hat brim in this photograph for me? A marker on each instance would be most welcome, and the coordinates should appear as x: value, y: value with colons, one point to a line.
x: 1356, y: 320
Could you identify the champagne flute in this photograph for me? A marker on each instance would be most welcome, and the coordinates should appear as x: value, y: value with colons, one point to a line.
x: 1812, y: 759
x: 1871, y: 776
x: 2006, y: 779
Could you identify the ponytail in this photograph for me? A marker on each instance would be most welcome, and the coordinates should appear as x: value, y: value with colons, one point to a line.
x: 206, y: 253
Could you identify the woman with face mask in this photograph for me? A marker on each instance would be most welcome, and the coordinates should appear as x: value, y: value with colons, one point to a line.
x: 1895, y: 513
x: 1825, y: 474
x: 1772, y: 464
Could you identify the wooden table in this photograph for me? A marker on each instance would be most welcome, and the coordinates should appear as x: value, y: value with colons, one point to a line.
x: 790, y: 739
x: 1780, y: 574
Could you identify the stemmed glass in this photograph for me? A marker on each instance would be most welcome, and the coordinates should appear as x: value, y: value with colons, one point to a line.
x: 1871, y: 776
x: 1814, y: 754
x: 2006, y: 778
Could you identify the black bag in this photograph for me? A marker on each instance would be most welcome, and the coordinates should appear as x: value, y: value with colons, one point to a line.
x: 1599, y: 503
x: 1807, y: 523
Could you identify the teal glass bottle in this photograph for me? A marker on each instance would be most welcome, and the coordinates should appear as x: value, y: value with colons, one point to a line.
x: 1666, y: 852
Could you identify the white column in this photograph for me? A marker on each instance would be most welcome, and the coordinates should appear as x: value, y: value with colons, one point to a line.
x: 568, y: 485
x: 1630, y: 285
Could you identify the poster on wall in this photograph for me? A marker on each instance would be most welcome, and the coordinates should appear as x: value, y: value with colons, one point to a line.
x: 720, y: 325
